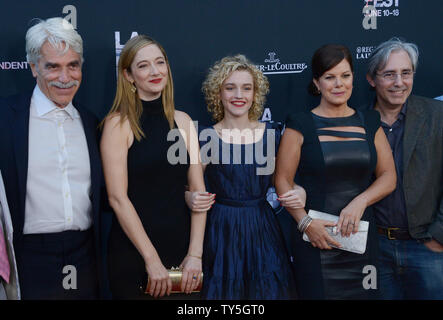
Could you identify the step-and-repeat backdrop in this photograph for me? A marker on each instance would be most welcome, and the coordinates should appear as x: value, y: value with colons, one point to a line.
x: 279, y: 36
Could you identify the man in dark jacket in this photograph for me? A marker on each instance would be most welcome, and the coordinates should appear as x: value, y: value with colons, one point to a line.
x: 410, y: 220
x: 52, y: 171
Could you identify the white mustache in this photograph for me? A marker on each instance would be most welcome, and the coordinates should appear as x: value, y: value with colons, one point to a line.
x: 66, y: 85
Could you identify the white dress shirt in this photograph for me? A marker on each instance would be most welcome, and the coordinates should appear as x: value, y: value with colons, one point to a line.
x: 59, y: 175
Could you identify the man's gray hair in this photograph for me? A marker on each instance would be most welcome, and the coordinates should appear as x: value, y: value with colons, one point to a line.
x: 57, y: 31
x: 379, y: 57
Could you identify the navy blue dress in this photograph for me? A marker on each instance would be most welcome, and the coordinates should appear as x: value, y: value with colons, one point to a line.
x: 244, y: 254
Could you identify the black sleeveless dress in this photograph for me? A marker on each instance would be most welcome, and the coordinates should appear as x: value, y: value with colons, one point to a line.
x: 333, y: 173
x: 156, y: 189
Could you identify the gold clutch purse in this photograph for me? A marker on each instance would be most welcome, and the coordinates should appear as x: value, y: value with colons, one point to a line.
x: 175, y: 274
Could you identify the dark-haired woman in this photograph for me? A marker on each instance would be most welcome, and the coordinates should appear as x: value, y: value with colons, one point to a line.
x: 344, y: 162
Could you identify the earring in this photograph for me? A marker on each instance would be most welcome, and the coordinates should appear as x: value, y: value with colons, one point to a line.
x: 318, y: 90
x: 133, y: 88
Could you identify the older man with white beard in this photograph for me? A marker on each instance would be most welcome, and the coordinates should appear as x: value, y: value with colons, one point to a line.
x: 51, y: 169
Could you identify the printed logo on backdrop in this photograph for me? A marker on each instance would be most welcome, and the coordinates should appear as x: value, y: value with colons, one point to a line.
x: 119, y: 47
x: 363, y: 52
x: 375, y: 9
x: 439, y: 98
x: 71, y: 16
x: 274, y: 66
x: 13, y: 65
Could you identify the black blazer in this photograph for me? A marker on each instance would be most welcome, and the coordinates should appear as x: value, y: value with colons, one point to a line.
x: 14, y: 132
x: 423, y: 167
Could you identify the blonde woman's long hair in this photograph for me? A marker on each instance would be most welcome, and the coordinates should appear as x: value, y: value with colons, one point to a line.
x: 126, y: 102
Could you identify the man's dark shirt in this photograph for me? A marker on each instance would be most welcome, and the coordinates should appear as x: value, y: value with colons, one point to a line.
x: 391, y: 211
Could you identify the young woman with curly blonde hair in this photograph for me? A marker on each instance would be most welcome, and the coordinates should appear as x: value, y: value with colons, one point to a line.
x: 244, y: 256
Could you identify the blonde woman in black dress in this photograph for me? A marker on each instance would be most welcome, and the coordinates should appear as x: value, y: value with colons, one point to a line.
x: 152, y: 230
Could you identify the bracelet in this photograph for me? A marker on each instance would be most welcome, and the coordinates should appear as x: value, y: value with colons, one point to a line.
x: 309, y: 223
x: 301, y: 223
x: 304, y: 223
x: 190, y: 255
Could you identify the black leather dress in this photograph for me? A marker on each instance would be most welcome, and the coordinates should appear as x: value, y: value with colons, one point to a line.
x: 333, y: 173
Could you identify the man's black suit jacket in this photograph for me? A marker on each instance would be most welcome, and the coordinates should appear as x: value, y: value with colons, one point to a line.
x: 14, y: 132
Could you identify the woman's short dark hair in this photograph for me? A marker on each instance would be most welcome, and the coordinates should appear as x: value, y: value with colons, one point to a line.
x: 326, y: 58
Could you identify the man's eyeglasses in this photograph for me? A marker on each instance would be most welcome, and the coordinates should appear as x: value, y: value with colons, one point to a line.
x: 392, y: 76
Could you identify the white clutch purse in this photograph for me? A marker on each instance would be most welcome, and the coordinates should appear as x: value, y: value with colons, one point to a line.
x: 354, y: 243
